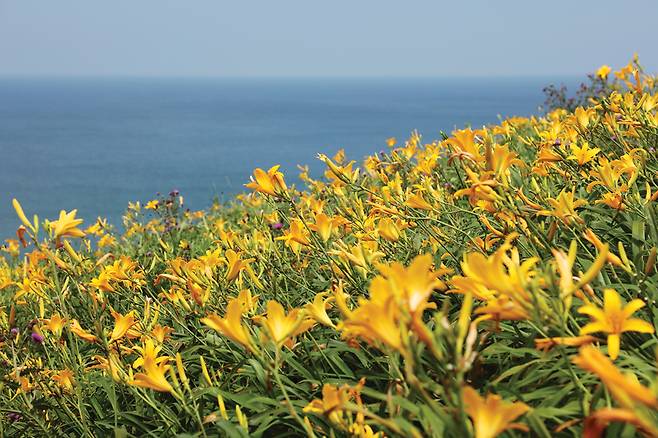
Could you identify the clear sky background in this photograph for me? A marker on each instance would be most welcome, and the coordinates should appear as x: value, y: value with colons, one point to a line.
x: 323, y: 38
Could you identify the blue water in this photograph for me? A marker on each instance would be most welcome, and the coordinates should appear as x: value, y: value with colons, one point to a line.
x: 95, y: 144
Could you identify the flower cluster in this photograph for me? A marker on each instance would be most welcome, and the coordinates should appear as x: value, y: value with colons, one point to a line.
x: 501, y: 280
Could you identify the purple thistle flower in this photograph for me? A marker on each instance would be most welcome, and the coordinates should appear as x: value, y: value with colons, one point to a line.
x: 36, y: 337
x: 276, y: 226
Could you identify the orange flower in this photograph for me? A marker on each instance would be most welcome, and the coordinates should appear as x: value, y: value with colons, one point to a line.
x: 388, y: 229
x: 598, y: 421
x: 492, y: 415
x: 111, y: 365
x: 603, y: 72
x: 160, y: 333
x: 281, y: 328
x: 411, y: 285
x: 545, y: 344
x: 481, y: 189
x: 231, y: 325
x: 235, y: 264
x: 614, y: 319
x: 374, y: 321
x: 323, y: 226
x: 564, y: 207
x: 55, y: 324
x: 270, y: 182
x: 65, y: 379
x: 80, y: 332
x: 625, y: 389
x: 417, y: 201
x: 332, y: 403
x: 153, y: 376
x: 583, y: 154
x: 66, y: 225
x: 501, y: 309
x: 122, y: 323
x: 297, y: 234
x: 318, y: 309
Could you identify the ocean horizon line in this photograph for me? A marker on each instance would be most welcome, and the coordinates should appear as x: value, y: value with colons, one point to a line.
x: 285, y: 77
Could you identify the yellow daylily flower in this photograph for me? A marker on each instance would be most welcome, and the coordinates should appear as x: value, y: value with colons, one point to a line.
x: 603, y: 72
x: 247, y: 301
x: 160, y: 332
x: 503, y: 271
x: 624, y: 388
x: 492, y: 415
x: 481, y: 189
x: 281, y: 328
x: 198, y: 293
x: 323, y: 226
x: 122, y: 323
x: 502, y: 159
x: 411, y: 285
x: 501, y: 309
x: 318, y: 309
x: 548, y: 155
x: 583, y: 154
x: 387, y: 229
x: 270, y: 182
x: 374, y: 322
x: 564, y: 207
x: 76, y: 329
x: 296, y: 234
x: 334, y: 398
x: 149, y: 350
x: 65, y: 379
x: 55, y: 324
x: 231, y: 325
x: 416, y: 200
x: 338, y: 172
x: 583, y: 116
x: 153, y: 376
x: 235, y: 264
x: 67, y: 225
x: 464, y: 144
x: 614, y: 319
x: 596, y: 423
x: 613, y: 200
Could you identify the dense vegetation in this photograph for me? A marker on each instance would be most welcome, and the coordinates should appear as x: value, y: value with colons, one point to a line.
x: 498, y: 280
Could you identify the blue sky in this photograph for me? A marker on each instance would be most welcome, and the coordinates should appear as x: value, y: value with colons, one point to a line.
x: 328, y: 38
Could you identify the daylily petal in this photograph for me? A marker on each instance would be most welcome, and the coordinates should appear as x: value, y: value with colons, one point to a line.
x: 633, y: 307
x: 613, y: 346
x: 611, y: 301
x: 593, y: 327
x: 637, y: 325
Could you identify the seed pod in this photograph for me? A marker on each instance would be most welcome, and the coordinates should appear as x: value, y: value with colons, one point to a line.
x: 651, y: 261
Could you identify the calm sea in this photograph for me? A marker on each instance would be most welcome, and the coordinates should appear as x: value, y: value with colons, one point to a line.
x: 95, y: 144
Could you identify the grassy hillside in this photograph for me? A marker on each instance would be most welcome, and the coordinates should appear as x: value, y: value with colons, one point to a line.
x: 498, y: 280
